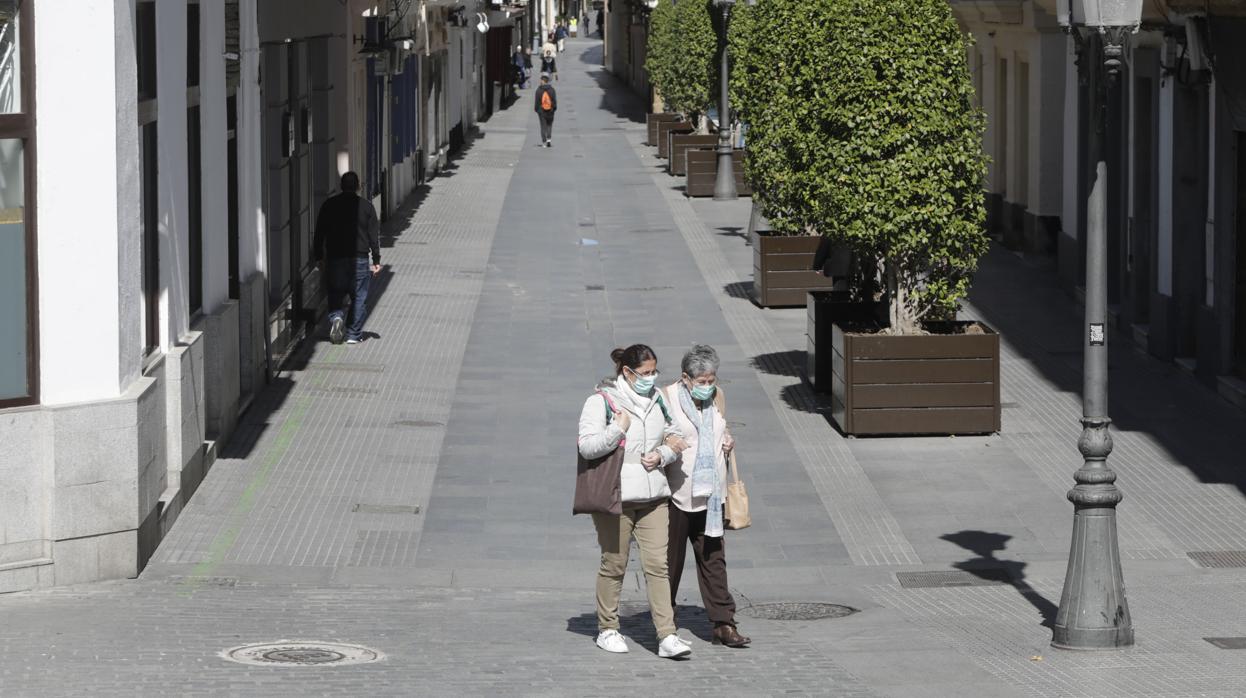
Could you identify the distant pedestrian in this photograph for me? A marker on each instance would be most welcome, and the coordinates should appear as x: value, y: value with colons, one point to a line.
x: 520, y: 76
x: 584, y: 23
x: 549, y: 59
x: 560, y: 36
x: 698, y: 481
x: 527, y: 66
x: 628, y: 412
x: 545, y: 104
x: 601, y: 23
x: 347, y: 233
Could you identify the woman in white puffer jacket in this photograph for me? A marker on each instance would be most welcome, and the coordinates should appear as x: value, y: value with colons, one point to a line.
x: 628, y: 410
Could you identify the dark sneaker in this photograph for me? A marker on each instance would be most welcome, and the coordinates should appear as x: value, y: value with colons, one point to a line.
x: 337, y: 329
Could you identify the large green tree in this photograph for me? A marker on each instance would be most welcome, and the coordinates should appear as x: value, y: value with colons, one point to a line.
x: 862, y: 127
x: 681, y: 54
x: 660, y: 50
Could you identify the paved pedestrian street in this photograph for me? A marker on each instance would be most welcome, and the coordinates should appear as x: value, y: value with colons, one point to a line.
x: 412, y: 494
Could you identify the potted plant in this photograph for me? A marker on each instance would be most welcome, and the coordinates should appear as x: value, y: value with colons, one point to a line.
x: 680, y: 58
x: 661, y: 42
x: 866, y: 132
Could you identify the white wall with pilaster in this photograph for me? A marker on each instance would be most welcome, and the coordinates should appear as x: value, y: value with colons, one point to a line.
x: 172, y: 156
x: 1070, y: 136
x: 89, y: 244
x: 1047, y: 106
x: 213, y: 146
x: 1164, y: 204
x: 252, y: 237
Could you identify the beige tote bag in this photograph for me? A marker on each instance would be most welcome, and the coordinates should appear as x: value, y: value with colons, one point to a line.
x: 735, y: 509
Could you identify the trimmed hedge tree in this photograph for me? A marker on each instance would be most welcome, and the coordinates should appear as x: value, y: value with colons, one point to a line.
x: 680, y: 56
x: 862, y: 127
x: 661, y: 47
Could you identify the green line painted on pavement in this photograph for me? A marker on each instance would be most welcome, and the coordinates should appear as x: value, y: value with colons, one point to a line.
x: 226, y: 539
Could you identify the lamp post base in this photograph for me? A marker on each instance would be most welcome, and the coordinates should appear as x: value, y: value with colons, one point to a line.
x: 1094, y: 614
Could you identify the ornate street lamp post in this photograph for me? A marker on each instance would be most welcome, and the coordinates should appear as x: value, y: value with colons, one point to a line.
x: 1093, y: 611
x: 724, y: 184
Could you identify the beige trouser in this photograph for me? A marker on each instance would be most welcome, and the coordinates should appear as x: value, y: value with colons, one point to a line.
x: 648, y: 523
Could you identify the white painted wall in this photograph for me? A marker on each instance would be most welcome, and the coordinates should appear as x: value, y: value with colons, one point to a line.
x: 172, y: 155
x: 1164, y: 164
x: 214, y: 145
x: 252, y: 241
x: 1070, y: 134
x: 1048, y: 80
x: 88, y: 244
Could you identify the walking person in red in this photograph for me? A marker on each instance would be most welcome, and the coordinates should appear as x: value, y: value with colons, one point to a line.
x: 546, y: 105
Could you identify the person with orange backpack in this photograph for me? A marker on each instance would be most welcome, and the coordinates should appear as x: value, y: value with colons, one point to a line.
x: 546, y: 105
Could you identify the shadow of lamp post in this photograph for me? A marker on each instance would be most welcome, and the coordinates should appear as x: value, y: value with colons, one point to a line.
x: 1094, y: 614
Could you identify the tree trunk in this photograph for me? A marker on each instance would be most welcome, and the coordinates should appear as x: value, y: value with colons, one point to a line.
x: 903, y: 315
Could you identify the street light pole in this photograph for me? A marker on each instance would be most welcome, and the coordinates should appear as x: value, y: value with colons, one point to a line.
x: 1094, y: 614
x: 724, y: 182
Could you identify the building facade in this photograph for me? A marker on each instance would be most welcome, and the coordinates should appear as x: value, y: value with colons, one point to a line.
x: 156, y: 232
x: 1176, y: 174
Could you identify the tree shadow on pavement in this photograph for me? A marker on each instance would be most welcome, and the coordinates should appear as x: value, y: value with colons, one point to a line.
x: 986, y: 566
x: 739, y: 289
x: 799, y: 395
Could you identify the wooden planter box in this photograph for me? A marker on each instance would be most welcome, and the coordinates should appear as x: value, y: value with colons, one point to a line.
x: 927, y: 384
x: 782, y: 268
x: 703, y: 170
x: 651, y: 124
x: 824, y: 308
x: 680, y: 145
x: 665, y: 128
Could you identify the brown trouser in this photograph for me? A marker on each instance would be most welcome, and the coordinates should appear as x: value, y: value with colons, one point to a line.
x: 648, y: 523
x: 711, y: 564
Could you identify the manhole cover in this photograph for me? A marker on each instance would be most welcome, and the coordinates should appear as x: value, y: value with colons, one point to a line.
x: 797, y: 611
x: 288, y: 653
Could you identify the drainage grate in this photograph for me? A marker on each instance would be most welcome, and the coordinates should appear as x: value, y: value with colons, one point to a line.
x: 1228, y: 643
x: 797, y: 610
x: 1219, y: 558
x: 199, y: 581
x: 343, y: 392
x: 417, y: 423
x: 350, y: 368
x: 287, y: 653
x: 595, y: 287
x: 385, y: 509
x: 648, y: 288
x: 952, y: 578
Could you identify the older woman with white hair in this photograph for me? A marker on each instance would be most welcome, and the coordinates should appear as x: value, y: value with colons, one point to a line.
x: 698, y: 480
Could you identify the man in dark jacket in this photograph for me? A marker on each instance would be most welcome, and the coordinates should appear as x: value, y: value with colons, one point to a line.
x: 347, y: 233
x: 546, y: 105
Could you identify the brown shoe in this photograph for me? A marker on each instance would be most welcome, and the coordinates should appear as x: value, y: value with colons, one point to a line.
x: 726, y: 634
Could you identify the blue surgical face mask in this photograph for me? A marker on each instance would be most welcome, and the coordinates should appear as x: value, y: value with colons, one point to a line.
x: 703, y: 392
x: 643, y: 385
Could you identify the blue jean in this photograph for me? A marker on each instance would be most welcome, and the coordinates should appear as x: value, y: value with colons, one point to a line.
x: 350, y: 276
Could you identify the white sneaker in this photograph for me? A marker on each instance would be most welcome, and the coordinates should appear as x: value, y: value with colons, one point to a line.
x: 612, y: 641
x: 672, y: 647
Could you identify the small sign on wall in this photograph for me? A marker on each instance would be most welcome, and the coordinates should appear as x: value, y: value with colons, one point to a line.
x: 1098, y: 336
